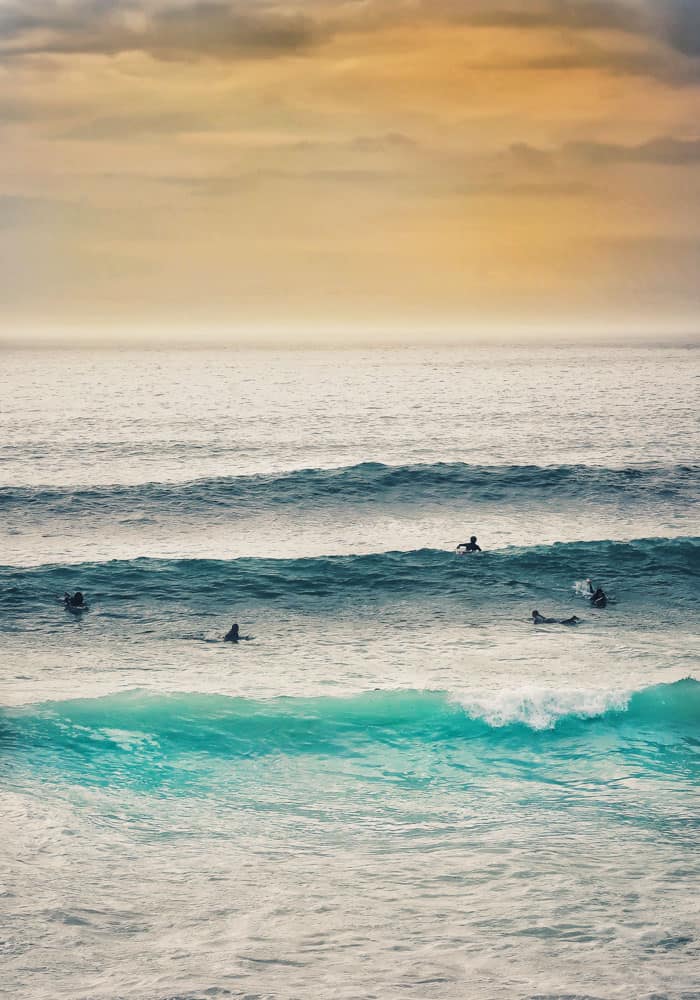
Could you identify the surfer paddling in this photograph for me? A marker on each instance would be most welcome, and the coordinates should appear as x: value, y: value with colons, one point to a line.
x: 471, y: 546
x: 538, y: 619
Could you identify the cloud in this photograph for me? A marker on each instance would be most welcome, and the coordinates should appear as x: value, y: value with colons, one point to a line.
x: 383, y: 143
x: 18, y: 110
x: 605, y: 15
x: 228, y: 29
x: 659, y: 39
x: 655, y: 62
x: 111, y: 127
x: 211, y: 28
x: 229, y: 185
x: 180, y: 29
x: 19, y: 211
x: 662, y: 151
x: 683, y: 25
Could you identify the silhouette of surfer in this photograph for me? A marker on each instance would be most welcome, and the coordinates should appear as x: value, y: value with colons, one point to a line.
x: 76, y: 601
x: 538, y: 619
x: 599, y: 598
x: 234, y: 635
x: 596, y: 595
x: 471, y: 546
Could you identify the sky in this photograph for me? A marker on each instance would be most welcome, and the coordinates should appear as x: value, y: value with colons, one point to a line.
x: 243, y: 168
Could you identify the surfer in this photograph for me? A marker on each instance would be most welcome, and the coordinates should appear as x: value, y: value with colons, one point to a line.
x: 538, y: 619
x: 234, y: 635
x: 470, y: 546
x: 599, y: 598
x: 75, y: 600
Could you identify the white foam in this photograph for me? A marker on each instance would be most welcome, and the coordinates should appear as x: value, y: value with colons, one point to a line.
x: 540, y: 708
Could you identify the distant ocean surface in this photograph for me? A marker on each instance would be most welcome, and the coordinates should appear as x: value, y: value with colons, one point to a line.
x: 399, y: 787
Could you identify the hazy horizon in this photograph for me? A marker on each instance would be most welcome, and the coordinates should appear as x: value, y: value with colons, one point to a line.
x: 351, y: 339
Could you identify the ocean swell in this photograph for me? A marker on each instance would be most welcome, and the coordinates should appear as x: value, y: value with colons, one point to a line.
x: 367, y: 483
x: 142, y: 723
x: 644, y: 566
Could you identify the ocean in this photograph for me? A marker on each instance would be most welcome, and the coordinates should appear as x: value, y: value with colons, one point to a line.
x: 398, y: 786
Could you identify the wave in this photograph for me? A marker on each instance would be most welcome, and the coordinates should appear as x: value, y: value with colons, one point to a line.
x: 218, y: 725
x: 646, y: 568
x: 368, y: 483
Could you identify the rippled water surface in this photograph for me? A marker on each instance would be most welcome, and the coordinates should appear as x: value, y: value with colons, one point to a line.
x: 398, y: 786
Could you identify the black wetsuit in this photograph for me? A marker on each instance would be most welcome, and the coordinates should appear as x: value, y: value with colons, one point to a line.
x: 541, y: 620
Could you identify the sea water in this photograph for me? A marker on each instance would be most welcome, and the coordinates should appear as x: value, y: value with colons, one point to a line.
x: 399, y: 786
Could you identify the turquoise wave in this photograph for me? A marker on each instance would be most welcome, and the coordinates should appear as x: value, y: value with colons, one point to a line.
x: 647, y: 569
x: 194, y: 744
x: 214, y: 723
x: 369, y: 482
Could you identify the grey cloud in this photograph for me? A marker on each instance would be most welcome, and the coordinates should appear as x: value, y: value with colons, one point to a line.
x: 212, y: 28
x: 396, y: 141
x: 530, y: 156
x: 550, y: 189
x: 620, y: 15
x: 189, y: 29
x: 664, y: 151
x: 26, y: 210
x: 500, y: 185
x: 18, y: 110
x: 229, y: 185
x: 657, y: 63
x: 225, y: 28
x: 383, y: 143
x: 112, y: 127
x: 673, y: 22
x: 607, y: 15
x: 683, y: 25
x: 14, y: 209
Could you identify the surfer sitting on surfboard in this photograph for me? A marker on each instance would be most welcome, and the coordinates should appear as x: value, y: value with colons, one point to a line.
x: 599, y: 598
x: 596, y: 595
x: 75, y: 600
x: 470, y: 546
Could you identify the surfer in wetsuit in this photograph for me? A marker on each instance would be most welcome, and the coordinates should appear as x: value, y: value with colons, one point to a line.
x: 538, y: 619
x: 75, y: 600
x: 233, y: 634
x: 599, y: 598
x: 470, y: 546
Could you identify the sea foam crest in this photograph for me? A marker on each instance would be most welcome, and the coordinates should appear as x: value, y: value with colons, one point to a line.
x: 543, y: 709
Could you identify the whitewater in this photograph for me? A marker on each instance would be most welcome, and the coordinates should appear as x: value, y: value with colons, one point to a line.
x: 399, y: 786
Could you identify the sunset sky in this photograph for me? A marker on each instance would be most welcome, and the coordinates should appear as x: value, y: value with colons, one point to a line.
x: 458, y: 165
